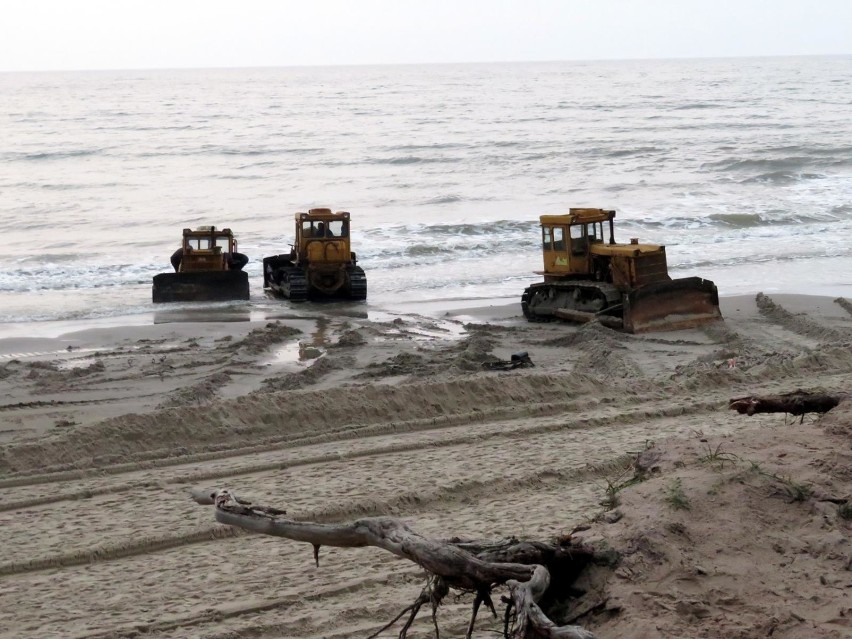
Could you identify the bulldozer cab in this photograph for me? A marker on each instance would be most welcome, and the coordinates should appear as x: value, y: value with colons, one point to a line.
x: 322, y: 237
x: 567, y: 240
x: 206, y: 249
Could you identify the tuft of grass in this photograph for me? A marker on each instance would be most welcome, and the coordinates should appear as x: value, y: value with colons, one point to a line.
x: 611, y: 499
x: 755, y: 467
x: 675, y: 497
x: 614, y: 486
x: 718, y: 457
x: 845, y: 511
x: 795, y: 490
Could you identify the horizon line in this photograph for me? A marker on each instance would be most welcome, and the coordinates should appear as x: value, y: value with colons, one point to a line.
x: 422, y: 64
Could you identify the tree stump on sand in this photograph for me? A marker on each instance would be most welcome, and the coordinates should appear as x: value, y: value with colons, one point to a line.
x: 525, y: 568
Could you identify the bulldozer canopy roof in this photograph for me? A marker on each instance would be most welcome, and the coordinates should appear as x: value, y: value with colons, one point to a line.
x: 578, y: 216
x: 322, y: 214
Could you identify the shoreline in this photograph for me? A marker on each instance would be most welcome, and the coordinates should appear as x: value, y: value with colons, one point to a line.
x: 36, y: 337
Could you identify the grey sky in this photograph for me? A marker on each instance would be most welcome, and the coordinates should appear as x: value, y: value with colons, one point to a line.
x: 127, y: 34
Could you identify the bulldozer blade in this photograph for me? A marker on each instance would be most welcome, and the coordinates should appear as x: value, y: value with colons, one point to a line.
x: 671, y: 305
x: 207, y: 286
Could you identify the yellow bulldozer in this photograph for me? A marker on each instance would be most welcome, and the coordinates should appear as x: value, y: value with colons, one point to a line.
x: 320, y: 264
x: 588, y: 276
x: 208, y: 267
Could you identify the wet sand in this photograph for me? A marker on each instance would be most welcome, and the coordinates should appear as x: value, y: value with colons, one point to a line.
x: 341, y: 415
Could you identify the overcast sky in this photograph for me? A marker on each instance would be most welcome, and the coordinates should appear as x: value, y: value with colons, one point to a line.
x: 133, y: 34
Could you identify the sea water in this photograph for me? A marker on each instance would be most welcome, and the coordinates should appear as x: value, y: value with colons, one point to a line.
x: 742, y: 168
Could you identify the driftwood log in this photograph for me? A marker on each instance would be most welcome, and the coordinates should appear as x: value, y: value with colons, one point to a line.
x: 795, y: 403
x: 527, y: 569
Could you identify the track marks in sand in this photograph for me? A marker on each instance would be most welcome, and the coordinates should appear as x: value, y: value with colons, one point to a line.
x: 283, y: 419
x: 41, y: 490
x: 252, y: 616
x: 339, y: 489
x: 800, y: 324
x: 845, y: 304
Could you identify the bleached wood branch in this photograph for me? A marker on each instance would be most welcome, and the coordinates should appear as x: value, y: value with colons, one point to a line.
x: 474, y: 566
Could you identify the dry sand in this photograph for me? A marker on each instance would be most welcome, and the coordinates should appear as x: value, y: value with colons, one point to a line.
x: 742, y: 528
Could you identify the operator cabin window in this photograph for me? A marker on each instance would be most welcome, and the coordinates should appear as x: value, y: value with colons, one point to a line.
x: 199, y: 243
x: 578, y: 245
x: 595, y: 232
x: 558, y: 239
x: 546, y: 238
x: 222, y: 242
x: 337, y: 228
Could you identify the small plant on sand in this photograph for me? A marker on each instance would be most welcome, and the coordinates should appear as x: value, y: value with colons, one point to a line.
x: 640, y: 468
x: 675, y: 497
x: 795, y: 490
x: 845, y: 511
x: 611, y: 499
x: 718, y: 457
x: 755, y: 467
x: 614, y: 486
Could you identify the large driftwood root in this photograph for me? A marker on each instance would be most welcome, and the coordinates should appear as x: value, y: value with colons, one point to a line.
x: 525, y: 568
x: 795, y: 403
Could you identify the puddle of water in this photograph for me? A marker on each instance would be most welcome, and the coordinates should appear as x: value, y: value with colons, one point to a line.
x: 70, y: 364
x: 300, y: 353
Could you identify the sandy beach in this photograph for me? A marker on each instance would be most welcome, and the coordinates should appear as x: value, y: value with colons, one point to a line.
x: 742, y: 529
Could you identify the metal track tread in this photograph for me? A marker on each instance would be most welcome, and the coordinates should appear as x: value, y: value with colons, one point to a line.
x: 607, y: 293
x: 357, y: 283
x: 294, y: 285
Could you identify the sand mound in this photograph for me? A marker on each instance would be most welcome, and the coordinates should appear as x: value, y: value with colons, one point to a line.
x: 261, y: 339
x: 745, y: 539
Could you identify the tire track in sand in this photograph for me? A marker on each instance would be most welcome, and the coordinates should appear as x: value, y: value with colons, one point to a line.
x: 556, y: 453
x: 266, y: 459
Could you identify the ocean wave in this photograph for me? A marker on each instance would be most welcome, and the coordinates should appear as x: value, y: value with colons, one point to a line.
x: 795, y: 161
x: 228, y: 151
x: 498, y: 227
x: 754, y: 259
x: 781, y: 177
x: 66, y: 274
x: 640, y: 150
x: 410, y: 159
x: 14, y: 156
x: 442, y: 199
x: 700, y: 105
x: 439, y: 146
x: 733, y: 220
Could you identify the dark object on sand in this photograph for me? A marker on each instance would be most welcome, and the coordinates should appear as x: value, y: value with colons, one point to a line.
x: 518, y: 360
x: 795, y: 403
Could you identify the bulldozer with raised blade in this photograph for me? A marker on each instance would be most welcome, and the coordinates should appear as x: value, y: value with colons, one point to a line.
x: 588, y: 276
x: 208, y: 268
x: 320, y: 264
